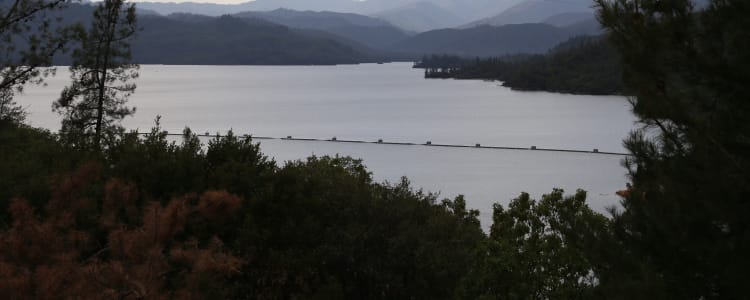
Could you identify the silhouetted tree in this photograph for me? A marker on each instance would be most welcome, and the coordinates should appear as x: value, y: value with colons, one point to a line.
x: 27, y: 42
x: 95, y: 102
x: 539, y: 250
x: 684, y: 228
x: 321, y: 229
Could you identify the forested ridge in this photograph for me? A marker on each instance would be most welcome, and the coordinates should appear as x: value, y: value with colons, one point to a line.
x: 581, y: 65
x: 95, y: 211
x: 227, y: 40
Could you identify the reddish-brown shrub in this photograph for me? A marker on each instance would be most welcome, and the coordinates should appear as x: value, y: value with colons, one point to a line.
x: 217, y: 204
x: 53, y: 257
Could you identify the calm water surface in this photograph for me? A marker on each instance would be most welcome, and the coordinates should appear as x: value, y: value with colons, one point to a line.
x: 391, y: 102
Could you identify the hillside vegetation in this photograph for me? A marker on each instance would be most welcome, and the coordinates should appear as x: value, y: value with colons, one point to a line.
x: 582, y: 65
x: 96, y: 212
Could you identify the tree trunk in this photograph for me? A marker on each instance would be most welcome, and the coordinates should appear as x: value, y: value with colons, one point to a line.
x: 111, y: 24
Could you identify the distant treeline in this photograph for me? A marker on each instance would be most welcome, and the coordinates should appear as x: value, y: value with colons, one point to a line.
x: 581, y: 65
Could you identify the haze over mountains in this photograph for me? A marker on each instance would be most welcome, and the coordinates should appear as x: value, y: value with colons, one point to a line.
x: 536, y: 11
x: 229, y: 40
x: 409, y: 15
x: 395, y: 11
x: 371, y: 32
x: 487, y: 41
x: 260, y: 33
x: 421, y: 16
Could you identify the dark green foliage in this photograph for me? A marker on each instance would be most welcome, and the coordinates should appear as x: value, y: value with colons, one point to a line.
x: 539, y: 250
x: 685, y: 221
x: 235, y: 164
x: 315, y: 228
x: 27, y: 158
x: 228, y: 163
x: 10, y: 111
x: 160, y: 168
x: 323, y: 228
x: 582, y: 65
x: 441, y: 62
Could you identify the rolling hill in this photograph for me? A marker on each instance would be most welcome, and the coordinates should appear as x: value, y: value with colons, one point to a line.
x: 569, y: 18
x: 229, y: 40
x: 367, y: 31
x: 421, y: 16
x: 213, y: 9
x: 487, y: 41
x: 196, y: 39
x: 535, y: 11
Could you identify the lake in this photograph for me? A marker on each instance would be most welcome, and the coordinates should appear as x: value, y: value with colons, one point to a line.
x: 395, y: 103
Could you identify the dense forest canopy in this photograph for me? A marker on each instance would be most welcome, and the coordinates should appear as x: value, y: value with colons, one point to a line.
x: 581, y: 65
x: 139, y: 217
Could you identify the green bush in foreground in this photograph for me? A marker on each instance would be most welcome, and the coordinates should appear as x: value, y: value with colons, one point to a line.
x: 314, y: 228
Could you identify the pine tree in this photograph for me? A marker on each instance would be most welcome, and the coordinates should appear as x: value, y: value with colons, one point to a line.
x: 684, y: 228
x: 102, y: 68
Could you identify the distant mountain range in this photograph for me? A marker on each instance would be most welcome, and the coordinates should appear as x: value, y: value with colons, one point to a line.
x: 413, y: 16
x: 213, y: 9
x: 410, y: 15
x: 473, y: 9
x: 196, y: 39
x: 284, y: 36
x: 230, y: 40
x: 487, y: 41
x: 370, y: 32
x: 421, y: 16
x: 406, y: 12
x: 569, y: 18
x: 535, y: 11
